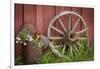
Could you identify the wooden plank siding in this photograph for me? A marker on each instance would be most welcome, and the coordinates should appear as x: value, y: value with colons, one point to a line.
x: 47, y: 15
x: 64, y: 19
x: 74, y: 18
x: 39, y: 19
x: 88, y: 15
x: 40, y: 15
x: 18, y: 25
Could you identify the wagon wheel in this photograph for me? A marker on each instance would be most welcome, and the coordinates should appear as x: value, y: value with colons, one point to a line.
x: 69, y: 36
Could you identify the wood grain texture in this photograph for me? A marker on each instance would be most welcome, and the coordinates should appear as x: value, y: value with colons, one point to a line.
x: 18, y: 25
x: 39, y: 18
x: 30, y: 14
x: 88, y: 15
x: 47, y: 15
x: 74, y: 18
x: 64, y: 19
x: 29, y: 18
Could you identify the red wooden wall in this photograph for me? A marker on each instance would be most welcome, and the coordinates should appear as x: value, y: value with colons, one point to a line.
x: 39, y: 16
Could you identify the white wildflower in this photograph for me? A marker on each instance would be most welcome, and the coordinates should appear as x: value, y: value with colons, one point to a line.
x: 28, y: 35
x: 30, y: 40
x: 18, y: 38
x: 17, y: 41
x: 21, y: 42
x: 26, y: 38
x: 25, y: 43
x: 38, y: 36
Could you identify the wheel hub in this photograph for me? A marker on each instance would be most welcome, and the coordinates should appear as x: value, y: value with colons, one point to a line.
x: 71, y: 36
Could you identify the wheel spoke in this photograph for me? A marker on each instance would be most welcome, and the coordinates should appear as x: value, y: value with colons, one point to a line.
x: 71, y: 51
x: 75, y: 25
x: 82, y: 38
x: 61, y: 23
x: 76, y: 48
x: 70, y: 20
x: 55, y: 38
x: 57, y: 30
x: 54, y: 50
x: 58, y: 46
x: 63, y: 50
x: 79, y: 44
x: 82, y: 31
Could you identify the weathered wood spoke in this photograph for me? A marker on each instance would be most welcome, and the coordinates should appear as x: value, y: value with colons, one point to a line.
x: 55, y: 38
x: 82, y: 38
x: 51, y: 45
x: 69, y: 22
x: 82, y: 31
x: 62, y: 24
x: 57, y: 30
x: 79, y: 44
x: 75, y: 47
x: 63, y: 50
x: 58, y: 46
x: 75, y: 25
x: 71, y: 51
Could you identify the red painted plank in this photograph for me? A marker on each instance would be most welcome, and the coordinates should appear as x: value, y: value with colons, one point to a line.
x: 18, y: 18
x: 39, y: 18
x: 74, y: 18
x: 48, y: 13
x: 18, y: 26
x: 88, y: 15
x: 67, y: 20
x: 30, y: 14
x: 64, y: 19
x: 59, y: 9
x: 29, y: 18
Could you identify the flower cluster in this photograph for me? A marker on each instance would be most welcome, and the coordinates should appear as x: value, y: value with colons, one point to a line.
x: 28, y: 38
x: 24, y: 37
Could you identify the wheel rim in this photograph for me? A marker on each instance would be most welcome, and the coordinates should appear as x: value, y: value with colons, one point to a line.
x: 70, y: 36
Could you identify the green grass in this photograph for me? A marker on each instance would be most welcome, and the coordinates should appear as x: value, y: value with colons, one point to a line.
x: 19, y: 61
x: 83, y: 54
x: 49, y: 57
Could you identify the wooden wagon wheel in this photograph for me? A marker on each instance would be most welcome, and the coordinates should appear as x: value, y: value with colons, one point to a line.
x: 70, y: 36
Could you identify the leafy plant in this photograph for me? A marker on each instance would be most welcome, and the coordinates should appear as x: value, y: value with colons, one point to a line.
x: 84, y: 53
x: 18, y: 61
x: 37, y: 42
x: 24, y: 37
